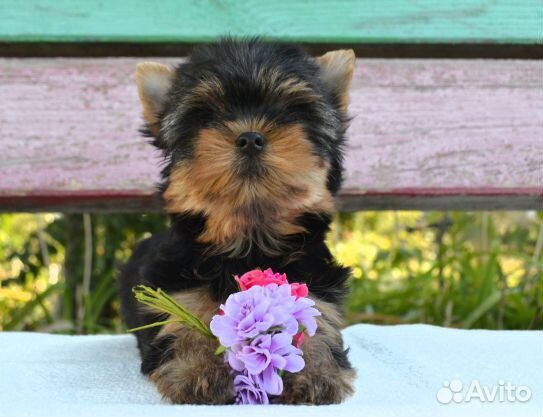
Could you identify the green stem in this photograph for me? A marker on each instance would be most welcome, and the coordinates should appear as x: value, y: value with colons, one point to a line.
x: 220, y: 350
x: 148, y: 326
x: 159, y: 300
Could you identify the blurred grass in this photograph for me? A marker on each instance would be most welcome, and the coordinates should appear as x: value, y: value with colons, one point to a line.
x: 467, y: 270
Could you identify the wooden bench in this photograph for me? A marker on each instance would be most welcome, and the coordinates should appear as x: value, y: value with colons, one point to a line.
x: 428, y: 132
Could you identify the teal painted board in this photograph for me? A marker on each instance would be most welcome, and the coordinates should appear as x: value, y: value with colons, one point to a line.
x: 318, y: 21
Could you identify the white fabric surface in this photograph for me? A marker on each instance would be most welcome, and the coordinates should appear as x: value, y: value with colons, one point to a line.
x: 400, y: 370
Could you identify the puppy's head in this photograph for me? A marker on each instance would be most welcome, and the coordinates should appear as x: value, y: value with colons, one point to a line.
x: 252, y: 133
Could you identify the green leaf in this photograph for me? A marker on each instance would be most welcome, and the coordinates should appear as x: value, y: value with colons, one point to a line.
x: 482, y: 309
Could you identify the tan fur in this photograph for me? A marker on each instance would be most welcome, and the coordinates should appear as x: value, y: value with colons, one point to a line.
x: 260, y: 211
x: 289, y: 91
x: 154, y: 81
x: 195, y: 375
x: 197, y: 301
x: 337, y: 69
x: 209, y: 91
x: 293, y: 91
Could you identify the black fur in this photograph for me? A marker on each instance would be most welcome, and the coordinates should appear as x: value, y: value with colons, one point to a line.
x: 174, y: 261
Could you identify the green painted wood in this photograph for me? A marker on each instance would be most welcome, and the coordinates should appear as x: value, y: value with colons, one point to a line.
x: 317, y: 21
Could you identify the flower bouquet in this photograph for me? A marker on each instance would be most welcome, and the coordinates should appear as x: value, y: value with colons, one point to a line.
x: 259, y: 330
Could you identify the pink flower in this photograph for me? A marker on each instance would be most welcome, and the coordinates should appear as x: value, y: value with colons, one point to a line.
x: 299, y: 290
x: 298, y: 339
x: 266, y: 277
x: 260, y: 278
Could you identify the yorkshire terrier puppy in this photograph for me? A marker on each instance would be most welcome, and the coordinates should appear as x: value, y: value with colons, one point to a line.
x: 252, y: 135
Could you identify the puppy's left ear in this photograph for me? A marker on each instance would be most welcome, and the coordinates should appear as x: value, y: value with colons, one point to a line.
x: 154, y: 81
x: 336, y: 72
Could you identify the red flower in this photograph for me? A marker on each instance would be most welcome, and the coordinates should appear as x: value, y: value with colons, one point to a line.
x: 260, y: 278
x: 299, y: 290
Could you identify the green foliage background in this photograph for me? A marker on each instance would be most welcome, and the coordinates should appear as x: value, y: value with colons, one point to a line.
x: 469, y: 270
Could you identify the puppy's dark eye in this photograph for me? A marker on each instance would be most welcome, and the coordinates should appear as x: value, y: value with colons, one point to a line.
x: 199, y: 116
x: 286, y: 118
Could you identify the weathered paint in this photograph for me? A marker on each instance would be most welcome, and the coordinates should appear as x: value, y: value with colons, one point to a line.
x: 425, y: 133
x: 347, y: 21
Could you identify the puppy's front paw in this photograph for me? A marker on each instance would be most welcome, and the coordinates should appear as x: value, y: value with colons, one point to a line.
x: 327, y: 377
x: 317, y: 388
x: 195, y: 376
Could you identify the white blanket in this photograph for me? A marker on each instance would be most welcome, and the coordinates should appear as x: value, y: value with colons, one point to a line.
x: 401, y: 372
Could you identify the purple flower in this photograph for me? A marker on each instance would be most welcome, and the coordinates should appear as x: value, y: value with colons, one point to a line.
x: 270, y: 381
x: 264, y: 351
x: 245, y: 316
x: 257, y: 326
x: 250, y: 313
x: 305, y: 314
x: 248, y: 392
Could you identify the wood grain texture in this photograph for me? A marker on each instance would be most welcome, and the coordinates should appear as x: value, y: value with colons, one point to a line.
x: 425, y: 134
x: 347, y: 21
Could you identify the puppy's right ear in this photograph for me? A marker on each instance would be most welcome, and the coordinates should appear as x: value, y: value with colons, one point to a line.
x: 154, y: 81
x: 336, y: 72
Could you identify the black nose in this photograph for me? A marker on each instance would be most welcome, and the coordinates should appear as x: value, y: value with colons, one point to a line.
x: 251, y: 142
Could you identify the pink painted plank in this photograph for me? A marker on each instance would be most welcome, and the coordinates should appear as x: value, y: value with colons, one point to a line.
x: 426, y: 134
